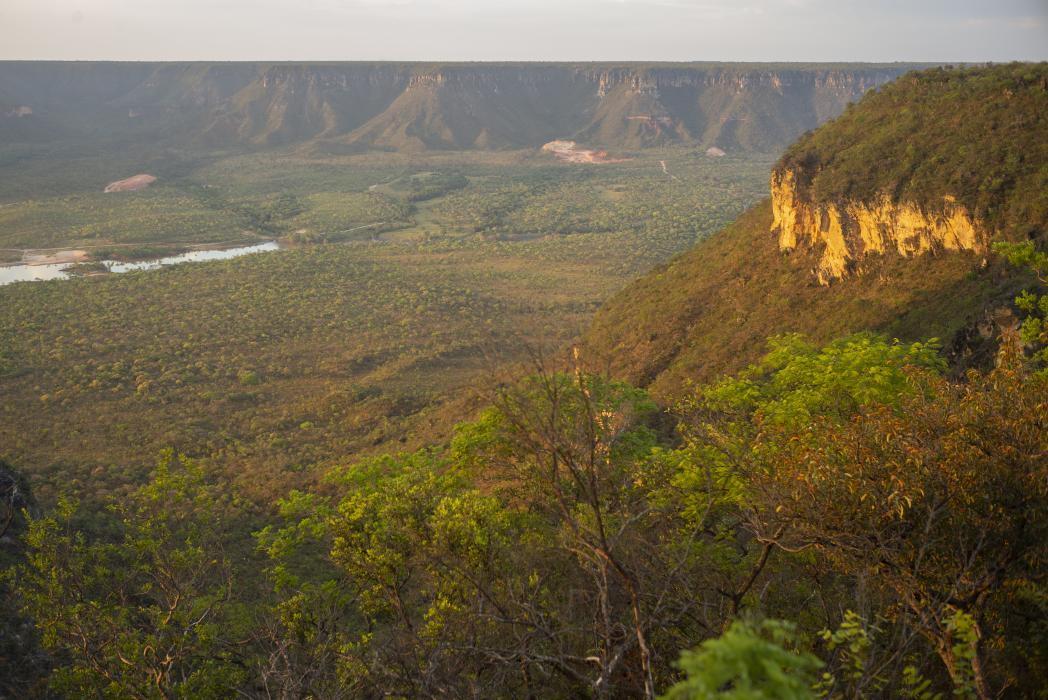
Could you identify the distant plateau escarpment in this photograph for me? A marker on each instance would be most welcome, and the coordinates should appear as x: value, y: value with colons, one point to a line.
x: 406, y: 107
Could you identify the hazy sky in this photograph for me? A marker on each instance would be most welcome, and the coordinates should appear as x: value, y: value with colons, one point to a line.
x: 676, y: 30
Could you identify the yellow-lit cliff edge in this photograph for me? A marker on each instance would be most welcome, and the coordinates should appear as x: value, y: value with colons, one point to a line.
x: 844, y: 234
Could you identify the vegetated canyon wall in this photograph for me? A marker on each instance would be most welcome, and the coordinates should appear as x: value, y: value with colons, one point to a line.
x: 892, y: 207
x: 845, y: 234
x: 408, y: 106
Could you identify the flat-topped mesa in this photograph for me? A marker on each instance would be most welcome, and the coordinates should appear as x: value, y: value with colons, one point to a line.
x: 844, y: 234
x: 343, y: 108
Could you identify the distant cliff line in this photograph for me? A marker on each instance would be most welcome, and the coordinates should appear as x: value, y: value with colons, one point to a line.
x: 353, y: 106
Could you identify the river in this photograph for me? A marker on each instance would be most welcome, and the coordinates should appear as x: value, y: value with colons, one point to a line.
x: 57, y: 271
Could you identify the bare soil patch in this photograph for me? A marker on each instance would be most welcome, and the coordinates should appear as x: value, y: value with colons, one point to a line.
x: 61, y: 256
x: 131, y: 184
x: 569, y: 152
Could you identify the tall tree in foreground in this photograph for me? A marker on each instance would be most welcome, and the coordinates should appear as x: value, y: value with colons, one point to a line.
x: 938, y: 503
x: 549, y: 551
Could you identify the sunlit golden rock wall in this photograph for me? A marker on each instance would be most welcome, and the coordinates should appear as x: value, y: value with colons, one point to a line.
x: 844, y: 234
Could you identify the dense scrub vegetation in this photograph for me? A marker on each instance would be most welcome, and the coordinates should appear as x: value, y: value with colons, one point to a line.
x: 913, y: 141
x: 290, y: 361
x: 276, y: 195
x: 423, y: 186
x: 565, y: 544
x: 282, y: 360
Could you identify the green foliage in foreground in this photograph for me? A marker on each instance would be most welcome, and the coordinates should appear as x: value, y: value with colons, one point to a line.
x: 796, y: 380
x: 142, y: 608
x: 562, y: 545
x: 748, y: 662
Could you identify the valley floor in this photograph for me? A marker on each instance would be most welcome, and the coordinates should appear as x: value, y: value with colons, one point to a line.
x: 408, y: 282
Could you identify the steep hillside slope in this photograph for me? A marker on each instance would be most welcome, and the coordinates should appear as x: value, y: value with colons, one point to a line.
x: 861, y: 233
x: 408, y: 107
x: 292, y: 103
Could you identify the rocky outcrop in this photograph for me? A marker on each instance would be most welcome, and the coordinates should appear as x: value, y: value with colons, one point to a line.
x: 844, y: 235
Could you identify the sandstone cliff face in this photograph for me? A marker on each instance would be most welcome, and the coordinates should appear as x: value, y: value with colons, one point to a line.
x: 843, y: 235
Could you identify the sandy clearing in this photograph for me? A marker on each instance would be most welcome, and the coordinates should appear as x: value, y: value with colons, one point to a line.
x: 62, y: 256
x: 131, y: 184
x: 569, y: 152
